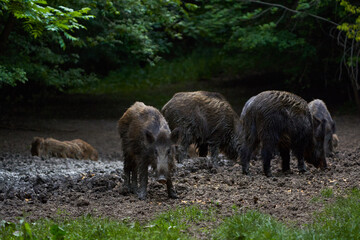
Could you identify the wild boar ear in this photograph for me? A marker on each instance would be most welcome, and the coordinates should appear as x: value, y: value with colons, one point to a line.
x: 149, y: 137
x: 175, y: 135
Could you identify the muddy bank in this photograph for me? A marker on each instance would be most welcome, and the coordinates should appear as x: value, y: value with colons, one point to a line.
x: 36, y: 188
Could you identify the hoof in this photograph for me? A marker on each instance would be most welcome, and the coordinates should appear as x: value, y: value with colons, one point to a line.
x: 302, y: 169
x: 268, y: 175
x: 125, y: 190
x: 287, y: 172
x: 173, y: 195
x: 142, y: 196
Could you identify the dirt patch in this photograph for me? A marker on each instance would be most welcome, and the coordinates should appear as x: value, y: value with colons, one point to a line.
x: 36, y: 188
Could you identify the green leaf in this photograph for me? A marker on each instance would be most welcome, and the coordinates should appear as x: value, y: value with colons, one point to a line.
x: 27, y: 230
x: 191, y: 6
x: 57, y: 232
x: 303, y: 6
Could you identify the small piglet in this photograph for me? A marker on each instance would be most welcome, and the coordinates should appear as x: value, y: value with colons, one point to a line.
x: 50, y: 147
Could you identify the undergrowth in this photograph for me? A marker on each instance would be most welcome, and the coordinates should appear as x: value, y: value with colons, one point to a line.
x: 189, y: 69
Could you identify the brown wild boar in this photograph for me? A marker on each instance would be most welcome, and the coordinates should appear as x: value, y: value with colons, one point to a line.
x: 319, y: 111
x: 207, y: 120
x: 281, y: 121
x: 191, y: 153
x: 87, y: 151
x: 49, y: 147
x: 146, y: 141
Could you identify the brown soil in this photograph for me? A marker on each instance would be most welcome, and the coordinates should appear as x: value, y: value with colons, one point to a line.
x: 37, y: 188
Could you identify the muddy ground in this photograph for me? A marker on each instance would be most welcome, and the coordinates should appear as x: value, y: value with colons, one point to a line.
x: 38, y: 188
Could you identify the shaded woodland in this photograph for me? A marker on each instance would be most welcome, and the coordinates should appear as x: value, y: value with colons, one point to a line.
x: 49, y: 47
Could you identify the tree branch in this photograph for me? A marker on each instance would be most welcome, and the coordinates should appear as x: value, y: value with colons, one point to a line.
x: 291, y: 10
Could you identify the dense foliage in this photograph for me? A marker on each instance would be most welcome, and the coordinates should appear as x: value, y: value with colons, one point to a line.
x: 66, y: 43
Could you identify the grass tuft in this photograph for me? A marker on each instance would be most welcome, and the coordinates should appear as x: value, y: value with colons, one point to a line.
x: 327, y: 193
x: 253, y: 225
x: 340, y: 220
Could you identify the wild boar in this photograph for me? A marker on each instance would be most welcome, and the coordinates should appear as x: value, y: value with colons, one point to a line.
x: 207, y: 120
x: 50, y: 147
x: 281, y: 121
x: 87, y: 151
x: 246, y: 106
x: 146, y: 141
x: 37, y: 146
x: 243, y: 111
x: 319, y: 111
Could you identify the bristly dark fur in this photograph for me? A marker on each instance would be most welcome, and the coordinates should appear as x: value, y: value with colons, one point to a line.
x: 146, y: 140
x: 278, y: 120
x: 207, y: 120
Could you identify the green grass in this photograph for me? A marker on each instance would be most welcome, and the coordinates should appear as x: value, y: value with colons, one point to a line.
x: 327, y: 193
x: 339, y: 220
x: 169, y: 225
x: 253, y: 225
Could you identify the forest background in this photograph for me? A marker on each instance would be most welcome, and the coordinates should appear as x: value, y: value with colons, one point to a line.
x: 97, y: 47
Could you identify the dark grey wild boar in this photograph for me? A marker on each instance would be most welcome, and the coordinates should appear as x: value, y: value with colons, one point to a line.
x: 146, y: 141
x: 246, y: 106
x: 280, y: 121
x: 207, y: 120
x: 319, y: 111
x: 243, y: 111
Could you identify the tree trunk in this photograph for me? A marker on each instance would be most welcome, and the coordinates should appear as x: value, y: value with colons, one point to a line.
x: 4, y: 36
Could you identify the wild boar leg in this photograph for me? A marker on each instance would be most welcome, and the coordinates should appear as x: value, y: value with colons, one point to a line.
x: 267, y: 154
x: 299, y: 154
x: 247, y: 150
x: 245, y: 159
x: 203, y: 150
x: 134, y: 179
x: 214, y: 153
x: 143, y: 177
x: 170, y: 189
x: 285, y: 156
x: 182, y: 151
x: 127, y: 170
